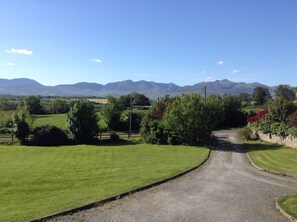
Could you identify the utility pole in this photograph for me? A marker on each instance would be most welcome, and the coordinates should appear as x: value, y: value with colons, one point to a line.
x: 205, y: 91
x: 130, y: 119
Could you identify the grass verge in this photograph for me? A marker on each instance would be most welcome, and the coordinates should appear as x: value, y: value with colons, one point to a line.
x: 289, y: 205
x: 37, y: 181
x: 272, y: 157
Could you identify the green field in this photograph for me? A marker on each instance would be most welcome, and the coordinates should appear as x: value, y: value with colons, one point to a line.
x: 253, y: 109
x: 273, y: 157
x: 58, y: 120
x: 289, y: 204
x: 37, y: 181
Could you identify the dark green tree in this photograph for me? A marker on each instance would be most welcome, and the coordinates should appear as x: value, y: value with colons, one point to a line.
x: 59, y: 106
x: 32, y: 103
x: 20, y: 127
x: 136, y: 99
x: 285, y: 91
x: 261, y: 95
x: 233, y: 116
x: 111, y: 114
x: 82, y: 121
x: 191, y: 118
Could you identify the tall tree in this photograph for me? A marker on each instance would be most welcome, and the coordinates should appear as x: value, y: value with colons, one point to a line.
x: 82, y: 121
x: 111, y: 113
x: 136, y: 98
x: 32, y: 103
x: 285, y: 91
x: 20, y: 127
x: 261, y: 95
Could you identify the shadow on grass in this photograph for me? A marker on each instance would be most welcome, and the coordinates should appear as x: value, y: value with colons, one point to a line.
x: 222, y: 144
x: 258, y: 145
x: 120, y: 142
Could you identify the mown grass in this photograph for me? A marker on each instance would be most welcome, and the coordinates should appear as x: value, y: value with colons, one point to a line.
x: 37, y: 181
x: 58, y: 120
x: 289, y: 204
x: 272, y: 157
x: 277, y: 159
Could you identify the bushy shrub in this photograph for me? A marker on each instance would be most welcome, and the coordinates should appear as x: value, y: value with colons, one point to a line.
x: 20, y: 127
x: 293, y: 131
x: 245, y: 133
x: 233, y: 116
x: 257, y: 117
x: 49, y: 136
x: 279, y: 110
x: 82, y: 121
x: 114, y: 136
x: 279, y: 129
x: 292, y: 119
x: 191, y: 118
x: 264, y: 126
x: 153, y: 132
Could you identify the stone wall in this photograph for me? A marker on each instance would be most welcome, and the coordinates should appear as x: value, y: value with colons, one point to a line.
x: 288, y: 141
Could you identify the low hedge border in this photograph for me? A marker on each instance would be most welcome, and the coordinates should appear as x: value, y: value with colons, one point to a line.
x: 119, y: 196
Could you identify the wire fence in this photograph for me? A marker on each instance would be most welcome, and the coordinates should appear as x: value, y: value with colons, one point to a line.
x: 105, y: 135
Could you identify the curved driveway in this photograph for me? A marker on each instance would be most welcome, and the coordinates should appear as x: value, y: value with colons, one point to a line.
x: 226, y: 188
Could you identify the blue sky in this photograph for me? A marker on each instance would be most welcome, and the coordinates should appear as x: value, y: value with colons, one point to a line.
x: 184, y: 41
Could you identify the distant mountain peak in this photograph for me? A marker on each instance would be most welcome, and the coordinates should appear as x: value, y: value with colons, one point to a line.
x: 24, y: 86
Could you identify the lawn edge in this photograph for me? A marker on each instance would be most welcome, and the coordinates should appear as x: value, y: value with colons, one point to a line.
x: 121, y: 195
x: 283, y: 212
x: 269, y: 171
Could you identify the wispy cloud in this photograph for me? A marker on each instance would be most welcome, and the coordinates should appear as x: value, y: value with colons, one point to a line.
x: 208, y: 78
x: 19, y: 51
x: 10, y: 64
x: 96, y: 60
x: 220, y: 63
x: 234, y: 71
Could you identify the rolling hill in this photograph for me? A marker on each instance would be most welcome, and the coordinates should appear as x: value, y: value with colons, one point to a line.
x: 151, y: 89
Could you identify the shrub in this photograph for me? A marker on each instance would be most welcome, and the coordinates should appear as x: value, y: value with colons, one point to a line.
x: 279, y: 110
x: 82, y: 121
x: 233, y: 116
x: 257, y: 117
x: 20, y: 128
x: 49, y: 136
x: 293, y: 131
x: 279, y: 129
x: 245, y: 133
x: 114, y: 136
x: 264, y: 126
x: 292, y: 119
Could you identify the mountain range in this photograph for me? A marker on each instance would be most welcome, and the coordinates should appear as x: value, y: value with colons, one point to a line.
x: 24, y: 86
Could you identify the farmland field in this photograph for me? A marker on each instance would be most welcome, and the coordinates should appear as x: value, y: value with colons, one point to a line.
x: 37, y: 181
x: 58, y: 120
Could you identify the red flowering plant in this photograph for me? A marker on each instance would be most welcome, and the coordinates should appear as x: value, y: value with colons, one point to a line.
x: 258, y: 116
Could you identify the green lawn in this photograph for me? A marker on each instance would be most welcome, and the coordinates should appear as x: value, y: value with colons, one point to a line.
x: 289, y: 204
x: 58, y: 120
x: 37, y: 181
x: 278, y: 159
x: 273, y: 157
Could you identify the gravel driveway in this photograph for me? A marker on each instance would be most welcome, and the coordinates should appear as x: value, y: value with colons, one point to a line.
x: 226, y: 188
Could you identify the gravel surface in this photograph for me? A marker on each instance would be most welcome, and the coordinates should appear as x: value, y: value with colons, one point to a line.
x: 226, y: 188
